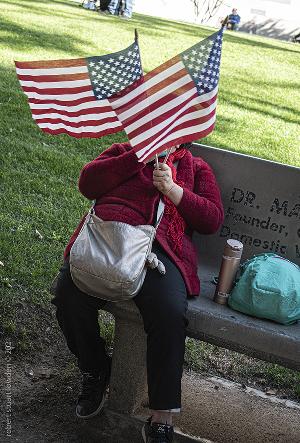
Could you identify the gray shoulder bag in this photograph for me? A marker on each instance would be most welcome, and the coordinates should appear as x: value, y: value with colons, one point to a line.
x: 109, y: 259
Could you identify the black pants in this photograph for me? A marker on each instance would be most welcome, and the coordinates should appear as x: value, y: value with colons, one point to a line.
x: 162, y: 303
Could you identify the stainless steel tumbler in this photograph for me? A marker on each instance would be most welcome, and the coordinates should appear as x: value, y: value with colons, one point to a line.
x: 230, y: 262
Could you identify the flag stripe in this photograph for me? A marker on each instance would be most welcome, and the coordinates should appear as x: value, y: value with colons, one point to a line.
x: 151, y: 143
x: 105, y: 122
x: 85, y: 134
x: 111, y: 116
x: 140, y: 97
x: 38, y: 86
x: 83, y: 105
x: 48, y: 64
x: 162, y: 130
x: 164, y: 67
x: 164, y: 104
x: 83, y: 112
x: 147, y: 84
x: 43, y: 93
x: 89, y: 129
x: 185, y: 122
x: 155, y: 97
x: 161, y: 117
x: 142, y: 139
x: 53, y: 71
x: 185, y: 135
x: 61, y: 97
x: 149, y: 119
x: 198, y: 131
x: 188, y: 118
x: 54, y: 77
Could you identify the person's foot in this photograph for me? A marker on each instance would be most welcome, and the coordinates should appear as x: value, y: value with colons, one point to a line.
x: 93, y: 394
x: 125, y: 17
x: 157, y: 432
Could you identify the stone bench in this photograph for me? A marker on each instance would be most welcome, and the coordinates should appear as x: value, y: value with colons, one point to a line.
x: 262, y: 209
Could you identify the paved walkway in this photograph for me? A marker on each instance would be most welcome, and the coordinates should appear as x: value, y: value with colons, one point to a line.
x: 226, y: 412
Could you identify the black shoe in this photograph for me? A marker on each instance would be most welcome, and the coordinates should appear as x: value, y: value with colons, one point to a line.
x: 93, y: 394
x: 157, y: 432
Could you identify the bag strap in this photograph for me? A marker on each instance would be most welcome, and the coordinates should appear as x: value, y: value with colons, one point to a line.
x: 160, y: 209
x: 160, y: 213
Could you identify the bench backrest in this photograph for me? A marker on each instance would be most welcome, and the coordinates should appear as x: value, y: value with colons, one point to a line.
x: 262, y: 206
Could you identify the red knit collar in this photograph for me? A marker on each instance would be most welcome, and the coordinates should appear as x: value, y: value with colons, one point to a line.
x: 176, y: 224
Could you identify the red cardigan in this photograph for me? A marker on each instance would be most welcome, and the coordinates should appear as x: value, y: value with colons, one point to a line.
x: 124, y: 191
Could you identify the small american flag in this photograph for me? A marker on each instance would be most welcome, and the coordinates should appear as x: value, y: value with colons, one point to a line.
x: 73, y: 96
x: 176, y: 103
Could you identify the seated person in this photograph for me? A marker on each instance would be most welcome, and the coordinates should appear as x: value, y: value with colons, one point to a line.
x: 130, y: 192
x: 233, y: 20
x: 114, y: 8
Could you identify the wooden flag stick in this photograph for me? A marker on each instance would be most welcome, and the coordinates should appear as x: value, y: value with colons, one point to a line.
x: 167, y: 156
x: 225, y: 21
x: 156, y: 161
x: 136, y: 37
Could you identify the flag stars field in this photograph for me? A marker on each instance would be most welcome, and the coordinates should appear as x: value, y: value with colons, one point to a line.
x: 101, y: 68
x: 205, y: 58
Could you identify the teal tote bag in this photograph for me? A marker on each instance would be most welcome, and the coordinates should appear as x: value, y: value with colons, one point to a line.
x: 268, y: 287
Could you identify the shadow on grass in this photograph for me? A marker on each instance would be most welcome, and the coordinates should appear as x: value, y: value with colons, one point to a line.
x: 20, y: 37
x: 246, y: 39
x: 259, y: 105
x: 150, y: 24
x: 146, y: 23
x: 43, y: 8
x: 270, y: 28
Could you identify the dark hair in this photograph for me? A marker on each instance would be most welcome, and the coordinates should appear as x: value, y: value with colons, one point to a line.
x: 186, y: 145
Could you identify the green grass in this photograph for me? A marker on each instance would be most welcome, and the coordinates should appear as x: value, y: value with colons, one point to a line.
x: 258, y: 114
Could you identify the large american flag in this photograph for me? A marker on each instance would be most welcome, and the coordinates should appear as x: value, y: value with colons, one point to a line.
x: 95, y: 96
x: 176, y: 103
x: 72, y: 96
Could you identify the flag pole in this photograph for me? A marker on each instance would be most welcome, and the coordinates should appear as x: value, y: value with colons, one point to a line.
x: 136, y: 36
x: 225, y: 21
x: 156, y: 161
x: 167, y: 156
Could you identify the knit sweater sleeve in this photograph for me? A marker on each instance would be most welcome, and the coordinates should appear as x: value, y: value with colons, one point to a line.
x: 202, y: 208
x: 114, y: 166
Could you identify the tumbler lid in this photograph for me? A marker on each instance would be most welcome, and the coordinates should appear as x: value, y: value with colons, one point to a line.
x: 233, y: 248
x: 235, y: 244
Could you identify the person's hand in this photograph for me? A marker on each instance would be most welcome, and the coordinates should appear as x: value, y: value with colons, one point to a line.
x: 163, y: 181
x: 162, y: 178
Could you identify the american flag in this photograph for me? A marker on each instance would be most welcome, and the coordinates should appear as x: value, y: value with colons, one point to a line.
x: 73, y: 96
x: 177, y: 101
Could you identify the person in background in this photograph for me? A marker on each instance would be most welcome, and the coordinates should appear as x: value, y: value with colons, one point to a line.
x: 233, y: 20
x: 122, y: 8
